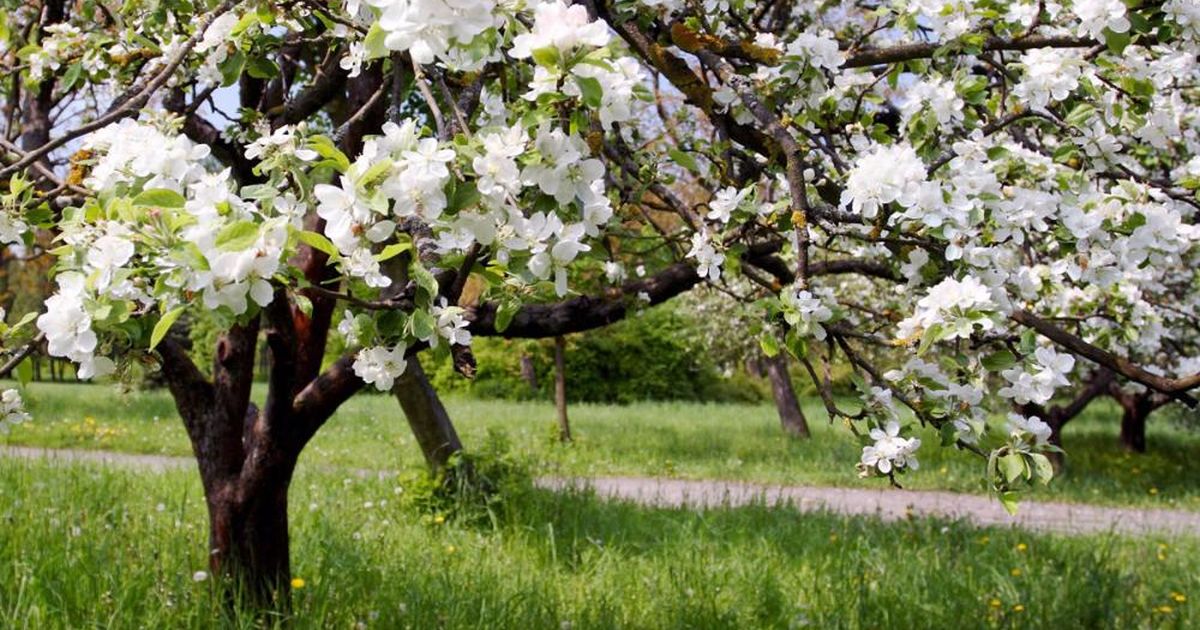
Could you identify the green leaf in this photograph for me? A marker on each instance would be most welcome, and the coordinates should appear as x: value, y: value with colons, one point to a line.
x: 505, y: 313
x: 373, y: 42
x: 425, y: 280
x: 548, y: 57
x: 237, y: 236
x: 422, y: 324
x: 304, y: 304
x: 932, y: 335
x: 231, y: 68
x: 318, y: 242
x: 466, y: 194
x: 248, y: 20
x: 1080, y: 115
x: 1012, y: 466
x: 261, y: 68
x: 999, y: 361
x: 164, y: 326
x: 393, y: 250
x: 1043, y: 470
x: 684, y: 159
x: 25, y: 371
x: 1116, y: 42
x: 159, y: 198
x: 71, y: 76
x: 328, y: 150
x: 1009, y: 501
x: 593, y: 93
x: 770, y: 344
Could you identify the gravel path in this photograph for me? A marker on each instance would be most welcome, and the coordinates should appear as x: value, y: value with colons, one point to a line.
x: 886, y: 503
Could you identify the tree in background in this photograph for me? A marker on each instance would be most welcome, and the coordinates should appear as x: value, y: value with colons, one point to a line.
x: 956, y: 201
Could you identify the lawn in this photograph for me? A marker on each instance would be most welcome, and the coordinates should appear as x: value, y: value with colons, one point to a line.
x: 84, y: 546
x: 686, y: 440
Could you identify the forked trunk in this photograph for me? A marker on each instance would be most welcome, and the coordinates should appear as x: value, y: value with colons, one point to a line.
x: 791, y: 416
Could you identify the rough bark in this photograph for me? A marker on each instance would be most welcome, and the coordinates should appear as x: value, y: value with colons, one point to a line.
x: 1133, y: 430
x: 1136, y: 408
x: 560, y: 388
x: 791, y: 416
x: 426, y: 416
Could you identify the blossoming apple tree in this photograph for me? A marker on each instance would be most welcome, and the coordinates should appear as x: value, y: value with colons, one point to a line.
x: 965, y: 201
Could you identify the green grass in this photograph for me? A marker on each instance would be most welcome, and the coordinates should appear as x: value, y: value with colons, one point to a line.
x: 660, y: 439
x: 86, y: 547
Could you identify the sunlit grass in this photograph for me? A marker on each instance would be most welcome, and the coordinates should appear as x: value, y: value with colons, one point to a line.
x: 741, y: 442
x: 88, y: 547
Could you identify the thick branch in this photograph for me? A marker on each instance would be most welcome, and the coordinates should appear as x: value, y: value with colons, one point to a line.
x: 910, y: 52
x: 1175, y: 387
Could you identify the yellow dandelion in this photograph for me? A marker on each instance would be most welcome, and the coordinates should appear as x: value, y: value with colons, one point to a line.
x: 1153, y: 491
x: 298, y: 583
x: 451, y: 549
x: 1019, y: 608
x: 1165, y: 609
x: 1022, y: 547
x: 1015, y: 572
x: 995, y: 603
x: 1178, y: 597
x: 439, y: 519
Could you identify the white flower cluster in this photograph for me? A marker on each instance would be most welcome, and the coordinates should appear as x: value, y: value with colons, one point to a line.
x: 380, y: 366
x: 1028, y: 434
x: 722, y: 205
x: 563, y: 33
x: 947, y: 18
x: 233, y: 250
x: 957, y: 402
x: 434, y: 29
x: 413, y: 173
x: 883, y: 175
x: 450, y: 324
x: 60, y: 44
x: 890, y: 452
x: 805, y: 311
x: 818, y: 50
x: 957, y: 306
x: 936, y: 95
x: 12, y: 410
x: 125, y: 160
x: 708, y: 258
x: 68, y: 327
x: 1050, y: 75
x: 561, y: 28
x: 1049, y: 372
x: 1097, y: 15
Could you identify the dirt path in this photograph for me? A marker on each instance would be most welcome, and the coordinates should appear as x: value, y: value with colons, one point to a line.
x: 885, y: 503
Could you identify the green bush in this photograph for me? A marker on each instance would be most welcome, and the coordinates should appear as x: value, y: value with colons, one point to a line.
x: 651, y: 356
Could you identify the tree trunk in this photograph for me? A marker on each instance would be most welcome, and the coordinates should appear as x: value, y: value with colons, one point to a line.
x: 248, y: 535
x: 426, y: 416
x: 791, y: 417
x: 1133, y: 428
x: 560, y: 388
x: 528, y: 373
